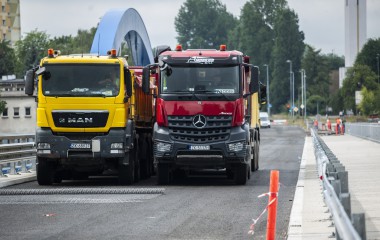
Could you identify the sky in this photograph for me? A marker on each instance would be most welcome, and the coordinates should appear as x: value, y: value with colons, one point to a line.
x: 322, y: 21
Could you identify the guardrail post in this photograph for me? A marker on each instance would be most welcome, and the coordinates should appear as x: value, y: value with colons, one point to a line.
x: 358, y: 221
x: 1, y: 170
x: 24, y: 169
x: 343, y: 177
x: 34, y: 164
x: 345, y: 200
x: 12, y: 170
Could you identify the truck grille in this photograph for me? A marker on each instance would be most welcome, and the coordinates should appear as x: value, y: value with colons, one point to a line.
x: 80, y: 119
x: 217, y: 128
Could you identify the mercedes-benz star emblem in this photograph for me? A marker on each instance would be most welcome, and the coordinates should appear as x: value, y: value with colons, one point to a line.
x: 199, y: 121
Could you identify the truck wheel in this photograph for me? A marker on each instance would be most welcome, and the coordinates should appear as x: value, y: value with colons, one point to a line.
x: 45, y: 172
x: 127, y: 172
x: 241, y: 174
x: 257, y: 152
x: 58, y: 177
x: 163, y: 174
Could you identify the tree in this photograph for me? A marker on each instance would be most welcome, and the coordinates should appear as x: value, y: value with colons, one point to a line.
x: 8, y: 58
x: 78, y: 44
x: 316, y: 104
x: 367, y: 105
x: 368, y: 54
x: 31, y: 50
x: 288, y: 45
x: 317, y: 69
x: 256, y: 33
x: 3, y: 105
x: 357, y: 77
x: 203, y: 24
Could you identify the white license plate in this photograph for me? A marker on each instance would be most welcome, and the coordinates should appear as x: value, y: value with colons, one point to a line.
x: 199, y: 147
x: 80, y: 145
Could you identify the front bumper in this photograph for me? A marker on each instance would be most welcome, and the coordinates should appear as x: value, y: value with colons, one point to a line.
x: 94, y: 147
x: 217, y: 154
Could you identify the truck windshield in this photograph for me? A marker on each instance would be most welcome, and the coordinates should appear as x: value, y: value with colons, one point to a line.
x: 87, y: 80
x: 199, y: 79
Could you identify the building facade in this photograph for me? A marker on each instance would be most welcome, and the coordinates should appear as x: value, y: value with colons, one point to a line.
x: 10, y: 26
x: 19, y: 116
x: 355, y: 29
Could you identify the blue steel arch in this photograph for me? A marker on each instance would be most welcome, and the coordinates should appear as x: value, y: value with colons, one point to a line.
x: 119, y: 25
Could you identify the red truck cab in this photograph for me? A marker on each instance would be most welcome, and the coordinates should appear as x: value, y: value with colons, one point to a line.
x: 202, y: 112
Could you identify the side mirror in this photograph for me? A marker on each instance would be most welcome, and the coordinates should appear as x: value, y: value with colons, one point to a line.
x: 146, y: 80
x: 254, y: 84
x: 160, y: 49
x: 128, y: 82
x: 263, y: 93
x: 29, y: 82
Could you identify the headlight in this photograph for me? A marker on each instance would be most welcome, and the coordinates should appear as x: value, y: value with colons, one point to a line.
x: 117, y: 146
x: 236, y: 147
x: 163, y: 147
x: 43, y: 146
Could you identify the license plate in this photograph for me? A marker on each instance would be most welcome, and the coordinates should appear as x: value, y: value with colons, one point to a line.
x: 80, y: 145
x: 199, y: 147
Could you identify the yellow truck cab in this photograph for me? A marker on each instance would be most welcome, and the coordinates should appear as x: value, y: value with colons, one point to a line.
x: 84, y: 125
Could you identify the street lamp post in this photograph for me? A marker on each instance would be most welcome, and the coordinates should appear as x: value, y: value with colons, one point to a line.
x: 302, y: 106
x: 303, y: 86
x: 290, y: 83
x: 268, y: 107
x: 377, y: 58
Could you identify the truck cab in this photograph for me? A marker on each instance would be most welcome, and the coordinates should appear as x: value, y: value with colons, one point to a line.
x: 203, y: 112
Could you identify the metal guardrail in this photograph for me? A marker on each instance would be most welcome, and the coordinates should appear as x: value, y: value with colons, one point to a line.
x: 336, y: 192
x: 16, y: 138
x: 17, y: 157
x: 370, y: 131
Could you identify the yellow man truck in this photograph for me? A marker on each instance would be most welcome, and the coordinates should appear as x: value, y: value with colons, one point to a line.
x: 89, y: 118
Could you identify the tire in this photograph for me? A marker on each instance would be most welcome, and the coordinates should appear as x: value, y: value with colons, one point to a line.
x: 257, y: 155
x: 241, y: 174
x: 163, y: 174
x: 45, y: 172
x: 58, y: 177
x: 127, y: 172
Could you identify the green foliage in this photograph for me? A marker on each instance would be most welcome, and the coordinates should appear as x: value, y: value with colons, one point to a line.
x: 81, y: 43
x: 288, y: 45
x: 317, y: 70
x: 367, y: 105
x: 368, y: 54
x: 336, y: 102
x: 3, y: 105
x: 203, y: 24
x: 255, y: 31
x: 31, y: 50
x: 357, y: 77
x: 316, y: 104
x: 7, y: 58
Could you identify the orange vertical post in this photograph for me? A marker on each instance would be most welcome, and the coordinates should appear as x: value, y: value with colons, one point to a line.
x: 272, y: 208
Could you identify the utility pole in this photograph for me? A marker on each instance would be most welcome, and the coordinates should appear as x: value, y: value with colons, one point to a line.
x: 290, y: 83
x: 377, y: 58
x: 268, y: 103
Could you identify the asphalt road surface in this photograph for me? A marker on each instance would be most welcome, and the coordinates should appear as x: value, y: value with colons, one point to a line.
x: 206, y: 206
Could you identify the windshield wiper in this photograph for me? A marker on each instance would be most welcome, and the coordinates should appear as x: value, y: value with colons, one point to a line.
x: 214, y: 91
x: 77, y: 94
x: 186, y: 91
